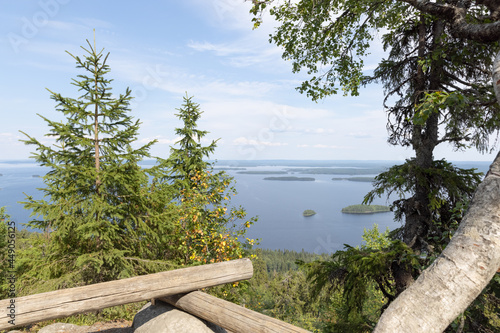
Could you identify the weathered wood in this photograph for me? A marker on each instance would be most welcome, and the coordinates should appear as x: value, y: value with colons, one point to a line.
x: 230, y: 316
x: 67, y: 302
x: 446, y: 288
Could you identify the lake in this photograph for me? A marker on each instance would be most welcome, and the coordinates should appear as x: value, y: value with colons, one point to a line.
x: 278, y: 204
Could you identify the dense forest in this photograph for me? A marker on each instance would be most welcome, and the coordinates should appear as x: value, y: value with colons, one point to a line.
x: 279, y: 288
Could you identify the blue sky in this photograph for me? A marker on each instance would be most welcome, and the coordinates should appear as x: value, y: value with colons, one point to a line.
x: 165, y: 49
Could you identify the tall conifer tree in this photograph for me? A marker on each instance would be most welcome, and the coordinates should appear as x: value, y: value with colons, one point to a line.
x: 187, y: 160
x: 95, y: 209
x: 207, y: 230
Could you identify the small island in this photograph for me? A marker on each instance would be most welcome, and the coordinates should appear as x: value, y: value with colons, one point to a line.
x: 336, y: 171
x: 357, y: 179
x: 365, y: 209
x: 36, y: 176
x: 292, y: 179
x: 308, y: 212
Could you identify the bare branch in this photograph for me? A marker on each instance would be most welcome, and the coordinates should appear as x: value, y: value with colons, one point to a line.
x: 456, y: 16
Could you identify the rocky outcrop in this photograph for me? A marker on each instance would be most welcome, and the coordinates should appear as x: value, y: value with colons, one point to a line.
x: 163, y: 317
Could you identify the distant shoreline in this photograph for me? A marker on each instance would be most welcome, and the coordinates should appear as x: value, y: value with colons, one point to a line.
x: 263, y: 172
x: 356, y: 179
x: 292, y: 179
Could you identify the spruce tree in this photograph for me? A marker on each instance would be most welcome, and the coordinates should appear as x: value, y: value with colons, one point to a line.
x: 96, y: 209
x: 208, y: 229
x: 187, y: 161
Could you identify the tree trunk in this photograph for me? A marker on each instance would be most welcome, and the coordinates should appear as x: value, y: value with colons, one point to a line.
x: 416, y: 212
x: 97, y: 158
x: 424, y: 140
x: 447, y: 287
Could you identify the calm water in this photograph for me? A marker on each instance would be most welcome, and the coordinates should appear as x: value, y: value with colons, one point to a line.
x: 18, y: 178
x: 278, y: 204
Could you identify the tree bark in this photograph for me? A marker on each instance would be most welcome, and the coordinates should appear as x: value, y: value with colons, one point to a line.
x: 424, y: 140
x: 447, y: 287
x: 456, y: 15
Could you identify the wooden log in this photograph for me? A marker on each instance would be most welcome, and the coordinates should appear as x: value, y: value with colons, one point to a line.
x: 66, y: 302
x: 232, y: 317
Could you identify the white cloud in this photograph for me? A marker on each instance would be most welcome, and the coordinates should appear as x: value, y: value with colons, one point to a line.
x: 230, y: 14
x: 220, y: 49
x: 360, y: 135
x: 148, y: 76
x: 10, y: 138
x: 242, y: 141
x: 54, y: 50
x: 250, y: 47
x: 241, y: 53
x: 322, y: 146
x: 319, y: 131
x: 242, y: 88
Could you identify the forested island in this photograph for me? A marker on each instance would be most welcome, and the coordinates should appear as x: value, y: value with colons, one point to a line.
x: 365, y: 209
x: 357, y: 179
x: 292, y: 179
x: 336, y: 171
x: 309, y: 212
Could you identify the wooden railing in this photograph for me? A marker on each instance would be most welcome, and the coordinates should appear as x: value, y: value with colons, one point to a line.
x: 178, y: 287
x: 228, y: 315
